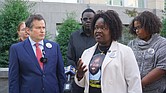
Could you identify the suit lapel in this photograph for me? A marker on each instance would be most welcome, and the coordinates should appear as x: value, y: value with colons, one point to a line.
x: 46, y: 50
x: 30, y: 52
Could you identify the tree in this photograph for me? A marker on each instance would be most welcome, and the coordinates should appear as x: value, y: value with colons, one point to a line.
x: 163, y: 32
x: 126, y: 36
x: 68, y: 26
x: 11, y: 14
x: 131, y: 13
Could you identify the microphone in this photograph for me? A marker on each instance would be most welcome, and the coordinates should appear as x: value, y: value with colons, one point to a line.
x: 43, y: 59
x: 69, y: 71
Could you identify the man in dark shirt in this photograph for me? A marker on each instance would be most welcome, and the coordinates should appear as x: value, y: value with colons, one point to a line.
x: 79, y: 41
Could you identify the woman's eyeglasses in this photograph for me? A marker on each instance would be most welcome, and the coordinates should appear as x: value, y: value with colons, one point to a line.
x: 137, y: 28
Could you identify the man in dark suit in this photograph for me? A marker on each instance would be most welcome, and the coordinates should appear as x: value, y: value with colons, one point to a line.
x: 36, y: 65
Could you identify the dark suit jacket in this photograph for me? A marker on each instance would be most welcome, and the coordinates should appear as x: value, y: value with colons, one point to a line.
x: 25, y: 74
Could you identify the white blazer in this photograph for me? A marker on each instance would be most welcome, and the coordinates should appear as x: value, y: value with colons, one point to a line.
x: 120, y: 72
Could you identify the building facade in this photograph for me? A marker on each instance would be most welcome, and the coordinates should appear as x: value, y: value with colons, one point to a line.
x: 54, y: 11
x: 152, y: 4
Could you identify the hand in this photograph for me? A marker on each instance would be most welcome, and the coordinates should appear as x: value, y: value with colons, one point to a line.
x: 80, y: 69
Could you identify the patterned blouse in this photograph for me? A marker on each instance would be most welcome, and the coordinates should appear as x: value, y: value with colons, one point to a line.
x: 150, y: 55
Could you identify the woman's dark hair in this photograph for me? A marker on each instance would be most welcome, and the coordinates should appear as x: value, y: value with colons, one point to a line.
x: 149, y: 22
x: 112, y: 20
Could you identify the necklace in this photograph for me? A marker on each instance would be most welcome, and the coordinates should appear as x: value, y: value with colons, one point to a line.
x: 103, y: 49
x: 102, y: 52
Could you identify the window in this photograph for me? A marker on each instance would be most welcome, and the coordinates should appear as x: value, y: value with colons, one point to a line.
x: 128, y: 3
x: 141, y: 3
x: 131, y: 3
x: 115, y: 2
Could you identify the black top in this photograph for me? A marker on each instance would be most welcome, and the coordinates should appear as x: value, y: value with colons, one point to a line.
x: 78, y: 42
x: 95, y: 69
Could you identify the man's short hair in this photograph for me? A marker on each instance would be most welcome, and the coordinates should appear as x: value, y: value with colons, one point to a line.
x: 88, y: 10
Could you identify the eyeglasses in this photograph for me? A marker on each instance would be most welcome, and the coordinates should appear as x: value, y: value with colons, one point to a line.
x: 137, y: 28
x: 86, y: 19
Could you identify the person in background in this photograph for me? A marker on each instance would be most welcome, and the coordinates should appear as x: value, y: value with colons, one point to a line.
x: 116, y: 70
x: 150, y: 51
x: 36, y: 65
x: 21, y: 30
x: 79, y: 41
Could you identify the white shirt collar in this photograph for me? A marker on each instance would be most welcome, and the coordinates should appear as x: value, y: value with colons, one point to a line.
x: 33, y: 42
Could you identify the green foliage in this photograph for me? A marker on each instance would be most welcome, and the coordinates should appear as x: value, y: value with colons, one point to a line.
x: 131, y: 13
x: 48, y: 35
x: 68, y: 26
x: 163, y: 32
x: 11, y: 14
x: 126, y: 36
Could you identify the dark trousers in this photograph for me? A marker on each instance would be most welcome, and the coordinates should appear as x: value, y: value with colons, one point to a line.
x: 164, y: 91
x: 76, y: 88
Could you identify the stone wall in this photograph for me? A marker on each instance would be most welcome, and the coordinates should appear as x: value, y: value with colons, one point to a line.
x: 3, y: 80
